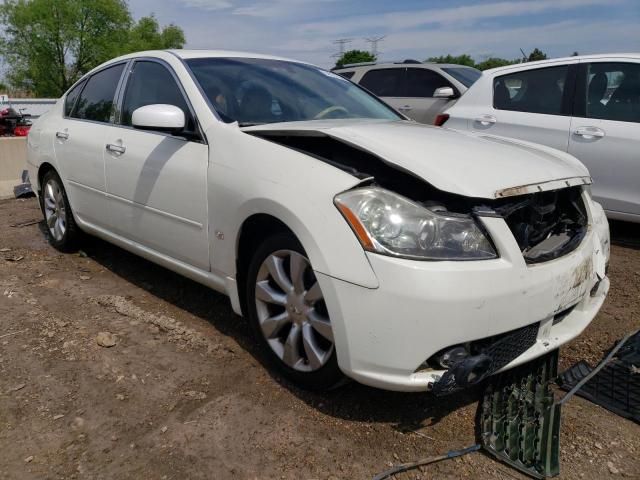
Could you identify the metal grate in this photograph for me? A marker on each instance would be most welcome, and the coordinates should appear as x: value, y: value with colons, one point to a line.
x: 617, y: 386
x: 519, y: 422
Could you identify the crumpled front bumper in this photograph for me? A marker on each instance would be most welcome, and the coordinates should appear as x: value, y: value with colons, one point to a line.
x: 383, y: 336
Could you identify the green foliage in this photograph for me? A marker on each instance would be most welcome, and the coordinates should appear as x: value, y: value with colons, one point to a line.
x: 147, y: 35
x: 468, y: 61
x: 354, y: 56
x: 458, y: 60
x: 494, y: 62
x: 536, y: 55
x: 49, y: 44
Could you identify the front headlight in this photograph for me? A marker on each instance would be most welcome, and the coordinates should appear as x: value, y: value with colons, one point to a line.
x: 390, y: 224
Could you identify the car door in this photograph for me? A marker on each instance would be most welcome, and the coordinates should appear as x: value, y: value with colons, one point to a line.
x: 388, y: 84
x: 420, y: 85
x: 79, y: 146
x: 532, y: 105
x: 157, y: 182
x: 605, y: 131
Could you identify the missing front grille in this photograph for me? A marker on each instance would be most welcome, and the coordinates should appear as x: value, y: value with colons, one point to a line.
x: 547, y: 225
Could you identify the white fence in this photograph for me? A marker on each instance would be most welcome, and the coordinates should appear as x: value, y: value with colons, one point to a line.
x: 32, y: 106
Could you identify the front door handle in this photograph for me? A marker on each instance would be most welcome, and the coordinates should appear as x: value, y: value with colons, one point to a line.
x: 62, y: 135
x: 486, y: 120
x: 119, y: 149
x: 589, y: 133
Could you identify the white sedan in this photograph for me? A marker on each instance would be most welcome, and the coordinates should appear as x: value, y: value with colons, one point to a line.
x: 355, y: 242
x: 588, y: 106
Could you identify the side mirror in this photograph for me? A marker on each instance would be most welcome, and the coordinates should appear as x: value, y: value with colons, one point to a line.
x: 444, y: 92
x: 160, y: 117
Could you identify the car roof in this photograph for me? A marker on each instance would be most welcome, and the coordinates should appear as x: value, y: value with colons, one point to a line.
x: 400, y: 65
x: 189, y: 54
x: 550, y: 61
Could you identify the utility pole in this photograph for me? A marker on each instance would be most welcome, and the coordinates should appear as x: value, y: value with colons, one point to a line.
x: 341, y: 42
x: 373, y: 41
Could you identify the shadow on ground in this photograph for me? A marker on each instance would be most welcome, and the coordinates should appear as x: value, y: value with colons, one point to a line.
x: 352, y: 401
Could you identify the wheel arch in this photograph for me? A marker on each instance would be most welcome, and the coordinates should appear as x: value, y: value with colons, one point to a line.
x: 43, y: 169
x: 253, y: 231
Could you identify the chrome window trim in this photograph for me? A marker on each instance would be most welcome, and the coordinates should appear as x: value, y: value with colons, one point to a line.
x: 116, y: 112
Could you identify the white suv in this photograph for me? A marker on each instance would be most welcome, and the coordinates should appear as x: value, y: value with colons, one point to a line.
x: 588, y: 106
x: 421, y: 91
x: 355, y: 242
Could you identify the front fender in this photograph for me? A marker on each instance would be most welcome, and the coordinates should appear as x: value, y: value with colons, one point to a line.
x: 250, y: 175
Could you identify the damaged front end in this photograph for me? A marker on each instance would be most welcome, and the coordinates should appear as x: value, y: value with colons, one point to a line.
x: 545, y: 224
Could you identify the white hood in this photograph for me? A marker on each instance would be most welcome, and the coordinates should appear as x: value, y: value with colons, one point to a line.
x: 468, y: 164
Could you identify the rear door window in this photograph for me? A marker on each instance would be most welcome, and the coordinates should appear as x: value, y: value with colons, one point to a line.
x: 96, y: 100
x: 421, y: 83
x: 535, y: 91
x: 612, y: 91
x: 385, y: 82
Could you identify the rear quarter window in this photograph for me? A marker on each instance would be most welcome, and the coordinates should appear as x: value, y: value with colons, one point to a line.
x: 70, y: 99
x: 346, y: 74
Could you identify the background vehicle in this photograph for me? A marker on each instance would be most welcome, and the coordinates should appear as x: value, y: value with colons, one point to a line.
x: 588, y: 106
x: 323, y: 214
x: 14, y: 123
x: 419, y: 90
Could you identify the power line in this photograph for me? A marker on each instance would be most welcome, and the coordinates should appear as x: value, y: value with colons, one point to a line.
x: 373, y: 41
x: 341, y: 42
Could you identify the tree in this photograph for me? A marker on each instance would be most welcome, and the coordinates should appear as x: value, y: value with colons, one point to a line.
x: 536, y: 55
x: 464, y: 59
x: 355, y: 56
x: 146, y: 35
x: 48, y: 44
x: 494, y: 62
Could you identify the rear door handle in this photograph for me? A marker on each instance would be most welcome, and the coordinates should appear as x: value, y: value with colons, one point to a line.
x: 62, y: 135
x: 116, y: 148
x: 589, y: 132
x: 486, y: 120
x: 406, y: 108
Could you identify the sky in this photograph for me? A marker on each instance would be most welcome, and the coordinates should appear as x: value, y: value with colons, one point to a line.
x: 306, y: 29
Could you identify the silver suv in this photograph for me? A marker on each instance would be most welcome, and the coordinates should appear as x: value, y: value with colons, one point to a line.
x: 421, y: 91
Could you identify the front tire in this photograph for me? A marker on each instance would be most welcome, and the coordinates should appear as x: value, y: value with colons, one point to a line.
x: 288, y: 314
x: 63, y: 232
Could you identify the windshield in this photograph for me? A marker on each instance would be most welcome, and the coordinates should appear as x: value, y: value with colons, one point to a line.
x: 465, y: 75
x: 255, y: 91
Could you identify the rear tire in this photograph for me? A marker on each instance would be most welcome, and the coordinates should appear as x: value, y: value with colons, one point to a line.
x: 288, y: 314
x: 63, y: 232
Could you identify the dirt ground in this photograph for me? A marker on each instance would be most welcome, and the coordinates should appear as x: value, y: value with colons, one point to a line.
x: 184, y: 394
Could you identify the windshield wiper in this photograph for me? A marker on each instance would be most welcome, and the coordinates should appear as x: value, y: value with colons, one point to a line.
x: 250, y: 124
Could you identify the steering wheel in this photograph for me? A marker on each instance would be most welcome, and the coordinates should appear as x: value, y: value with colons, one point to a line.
x: 328, y: 110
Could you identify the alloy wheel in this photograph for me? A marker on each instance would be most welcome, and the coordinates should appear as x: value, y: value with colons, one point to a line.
x: 292, y: 312
x: 55, y: 211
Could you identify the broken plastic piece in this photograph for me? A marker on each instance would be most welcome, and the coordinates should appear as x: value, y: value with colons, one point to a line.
x: 616, y: 386
x: 489, y: 356
x: 24, y: 189
x: 519, y: 422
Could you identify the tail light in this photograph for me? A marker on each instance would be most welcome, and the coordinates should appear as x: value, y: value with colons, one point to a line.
x: 21, y: 131
x: 441, y: 119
